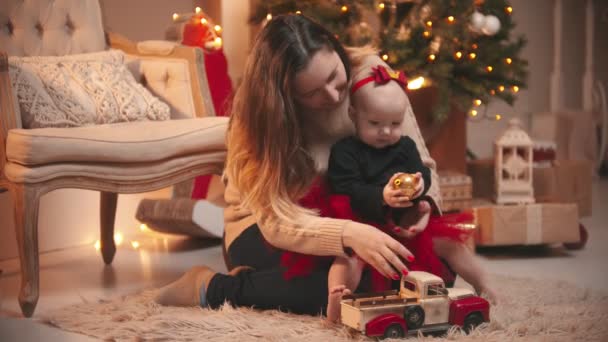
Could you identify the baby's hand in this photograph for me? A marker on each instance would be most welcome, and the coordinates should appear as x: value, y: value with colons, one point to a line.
x: 394, y: 197
x: 424, y: 212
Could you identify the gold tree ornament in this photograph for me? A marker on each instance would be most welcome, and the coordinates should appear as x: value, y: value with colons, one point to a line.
x: 407, y: 183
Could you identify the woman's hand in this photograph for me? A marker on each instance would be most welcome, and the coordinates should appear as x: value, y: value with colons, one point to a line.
x: 377, y: 248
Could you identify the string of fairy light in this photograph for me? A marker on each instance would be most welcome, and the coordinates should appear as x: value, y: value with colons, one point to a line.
x: 417, y: 82
x: 119, y: 239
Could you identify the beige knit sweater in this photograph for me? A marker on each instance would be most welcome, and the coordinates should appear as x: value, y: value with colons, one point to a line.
x: 317, y: 235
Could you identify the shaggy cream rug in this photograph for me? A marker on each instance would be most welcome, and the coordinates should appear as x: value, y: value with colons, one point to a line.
x: 530, y: 310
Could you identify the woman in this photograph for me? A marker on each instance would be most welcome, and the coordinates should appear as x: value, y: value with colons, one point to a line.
x: 291, y: 106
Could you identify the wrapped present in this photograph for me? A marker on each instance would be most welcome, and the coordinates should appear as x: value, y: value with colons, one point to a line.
x: 573, y: 132
x: 543, y: 153
x: 456, y: 190
x: 481, y: 172
x: 529, y: 224
x: 182, y: 216
x: 566, y: 181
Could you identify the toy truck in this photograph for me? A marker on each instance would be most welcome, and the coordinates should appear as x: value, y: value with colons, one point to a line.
x: 422, y: 304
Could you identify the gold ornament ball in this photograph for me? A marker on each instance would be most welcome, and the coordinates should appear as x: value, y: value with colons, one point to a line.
x: 406, y: 182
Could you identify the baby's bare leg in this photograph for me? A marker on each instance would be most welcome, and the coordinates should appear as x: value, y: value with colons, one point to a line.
x: 465, y: 264
x: 344, y: 276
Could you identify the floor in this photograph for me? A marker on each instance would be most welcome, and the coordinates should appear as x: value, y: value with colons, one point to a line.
x: 160, y: 259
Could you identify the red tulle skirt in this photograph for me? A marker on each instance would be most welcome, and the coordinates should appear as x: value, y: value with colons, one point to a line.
x: 338, y: 206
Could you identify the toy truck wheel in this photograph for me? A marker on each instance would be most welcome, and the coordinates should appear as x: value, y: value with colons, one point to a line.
x: 414, y: 317
x: 583, y: 241
x: 471, y: 321
x: 394, y: 331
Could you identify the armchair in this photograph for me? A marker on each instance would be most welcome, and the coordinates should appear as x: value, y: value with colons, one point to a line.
x: 123, y: 158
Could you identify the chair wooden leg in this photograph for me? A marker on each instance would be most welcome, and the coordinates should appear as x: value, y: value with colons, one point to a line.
x: 107, y: 217
x: 26, y: 202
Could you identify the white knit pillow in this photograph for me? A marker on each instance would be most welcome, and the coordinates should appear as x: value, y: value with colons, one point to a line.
x: 80, y: 90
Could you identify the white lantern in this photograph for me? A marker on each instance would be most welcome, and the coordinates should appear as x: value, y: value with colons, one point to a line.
x: 513, y: 166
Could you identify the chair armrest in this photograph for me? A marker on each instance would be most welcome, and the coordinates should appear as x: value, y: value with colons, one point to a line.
x: 9, y: 114
x: 163, y: 49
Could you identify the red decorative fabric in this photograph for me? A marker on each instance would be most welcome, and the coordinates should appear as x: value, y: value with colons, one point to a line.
x: 338, y: 206
x: 381, y: 75
x: 220, y: 86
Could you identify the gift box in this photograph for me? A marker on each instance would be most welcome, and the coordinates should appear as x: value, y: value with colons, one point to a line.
x: 481, y: 172
x: 530, y: 224
x: 574, y: 133
x: 566, y: 181
x: 183, y: 216
x: 543, y: 153
x: 456, y: 191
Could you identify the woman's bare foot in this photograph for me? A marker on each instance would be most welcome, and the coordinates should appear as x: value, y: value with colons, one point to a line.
x: 333, y: 302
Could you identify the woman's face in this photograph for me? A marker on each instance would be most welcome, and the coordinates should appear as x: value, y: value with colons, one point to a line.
x: 322, y: 85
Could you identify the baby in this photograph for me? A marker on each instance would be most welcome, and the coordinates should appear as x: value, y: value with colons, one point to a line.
x: 363, y: 167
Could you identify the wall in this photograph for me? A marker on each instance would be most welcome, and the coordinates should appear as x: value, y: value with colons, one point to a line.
x: 69, y: 217
x: 601, y: 41
x: 235, y: 14
x: 142, y: 19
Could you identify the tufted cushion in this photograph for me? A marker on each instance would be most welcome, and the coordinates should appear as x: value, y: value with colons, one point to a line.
x: 50, y: 27
x: 168, y: 78
x: 79, y: 90
x: 117, y: 143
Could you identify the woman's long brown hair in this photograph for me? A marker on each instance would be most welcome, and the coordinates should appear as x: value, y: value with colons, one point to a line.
x: 267, y: 160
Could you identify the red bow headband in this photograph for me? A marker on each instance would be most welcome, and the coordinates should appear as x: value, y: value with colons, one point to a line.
x: 381, y: 75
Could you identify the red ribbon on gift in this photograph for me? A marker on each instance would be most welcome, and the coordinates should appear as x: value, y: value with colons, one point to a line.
x: 381, y: 75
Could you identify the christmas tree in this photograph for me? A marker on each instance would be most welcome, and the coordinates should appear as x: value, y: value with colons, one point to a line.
x: 461, y: 47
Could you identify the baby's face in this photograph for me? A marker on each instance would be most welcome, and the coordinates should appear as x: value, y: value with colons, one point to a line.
x: 379, y: 128
x: 379, y: 119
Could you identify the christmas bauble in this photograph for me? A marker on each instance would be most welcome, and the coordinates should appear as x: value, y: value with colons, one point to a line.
x: 407, y: 183
x: 491, y: 25
x: 478, y: 21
